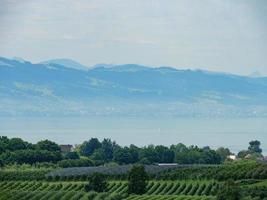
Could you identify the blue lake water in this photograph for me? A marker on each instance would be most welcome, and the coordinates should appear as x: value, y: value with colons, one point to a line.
x: 233, y: 133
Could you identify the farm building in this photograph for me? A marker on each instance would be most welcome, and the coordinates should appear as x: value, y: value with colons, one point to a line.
x: 65, y: 148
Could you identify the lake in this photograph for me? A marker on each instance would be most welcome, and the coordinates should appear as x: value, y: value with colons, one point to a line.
x: 233, y: 133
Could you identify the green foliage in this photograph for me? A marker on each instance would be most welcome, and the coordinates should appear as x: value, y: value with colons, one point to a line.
x: 36, y: 166
x: 242, y: 154
x: 72, y: 155
x: 13, y: 144
x: 115, y: 197
x: 83, y: 162
x: 254, y: 147
x: 16, y: 150
x: 137, y: 180
x: 165, y: 155
x: 236, y: 170
x: 30, y: 156
x: 91, y: 195
x: 23, y: 175
x: 254, y: 151
x: 224, y: 153
x: 108, y: 148
x: 197, y: 155
x: 149, y: 154
x: 97, y: 182
x: 229, y: 191
x: 47, y: 145
x: 101, y: 196
x: 88, y: 147
x: 116, y: 190
x: 122, y: 155
x: 98, y: 156
x: 254, y: 192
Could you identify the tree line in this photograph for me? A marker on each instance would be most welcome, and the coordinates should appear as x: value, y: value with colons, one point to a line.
x: 94, y: 153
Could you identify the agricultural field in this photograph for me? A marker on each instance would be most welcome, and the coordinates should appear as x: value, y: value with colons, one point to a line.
x: 35, y: 190
x: 74, y: 190
x: 175, y: 183
x: 113, y: 170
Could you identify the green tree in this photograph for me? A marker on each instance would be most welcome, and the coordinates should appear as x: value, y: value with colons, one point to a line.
x: 179, y: 148
x: 254, y: 150
x: 229, y: 191
x: 242, y: 154
x: 134, y: 151
x: 224, y: 153
x: 165, y: 155
x: 210, y: 157
x: 47, y: 145
x: 254, y: 147
x: 97, y: 182
x: 17, y: 144
x: 72, y: 155
x: 138, y: 179
x: 30, y: 156
x: 108, y: 149
x: 149, y: 154
x: 98, y: 157
x: 122, y: 155
x: 88, y: 147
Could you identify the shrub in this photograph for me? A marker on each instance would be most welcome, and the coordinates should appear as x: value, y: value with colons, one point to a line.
x: 92, y: 195
x: 72, y: 155
x: 101, y: 196
x: 229, y: 191
x: 97, y: 182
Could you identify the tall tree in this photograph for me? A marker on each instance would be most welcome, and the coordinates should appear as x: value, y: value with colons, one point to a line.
x: 254, y: 147
x: 88, y: 147
x: 178, y: 148
x: 149, y: 154
x: 134, y: 151
x: 138, y: 179
x: 165, y: 155
x: 108, y: 149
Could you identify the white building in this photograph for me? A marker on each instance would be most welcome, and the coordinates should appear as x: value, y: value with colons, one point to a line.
x: 232, y: 157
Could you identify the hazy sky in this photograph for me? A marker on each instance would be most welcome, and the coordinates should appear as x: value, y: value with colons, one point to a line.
x: 218, y: 35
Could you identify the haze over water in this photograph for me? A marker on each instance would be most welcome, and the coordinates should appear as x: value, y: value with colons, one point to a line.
x: 234, y: 133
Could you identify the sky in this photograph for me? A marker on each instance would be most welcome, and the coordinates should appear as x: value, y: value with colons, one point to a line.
x: 216, y: 35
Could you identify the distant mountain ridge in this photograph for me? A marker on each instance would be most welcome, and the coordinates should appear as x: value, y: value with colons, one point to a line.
x: 65, y: 87
x: 65, y: 62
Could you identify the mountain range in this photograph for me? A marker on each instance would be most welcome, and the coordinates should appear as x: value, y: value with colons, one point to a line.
x: 63, y: 87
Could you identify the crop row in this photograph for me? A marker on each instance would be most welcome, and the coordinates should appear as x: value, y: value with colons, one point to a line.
x: 71, y: 195
x: 236, y: 171
x: 169, y: 197
x: 192, y: 188
x: 182, y: 188
x: 43, y: 195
